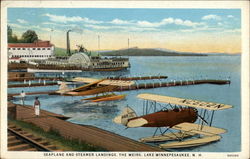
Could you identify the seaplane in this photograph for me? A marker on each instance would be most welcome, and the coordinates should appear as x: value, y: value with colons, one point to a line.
x: 106, y: 87
x: 177, y: 120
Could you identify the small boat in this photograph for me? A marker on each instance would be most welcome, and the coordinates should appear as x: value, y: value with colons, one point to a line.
x: 109, y: 97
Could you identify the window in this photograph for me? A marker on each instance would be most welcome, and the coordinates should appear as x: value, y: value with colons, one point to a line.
x: 43, y: 48
x: 34, y: 48
x: 38, y: 48
x: 18, y: 48
x: 48, y: 48
x: 14, y: 48
x: 8, y: 48
x: 23, y: 48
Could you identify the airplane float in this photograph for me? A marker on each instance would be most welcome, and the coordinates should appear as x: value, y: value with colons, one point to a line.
x: 179, y: 114
x: 95, y: 87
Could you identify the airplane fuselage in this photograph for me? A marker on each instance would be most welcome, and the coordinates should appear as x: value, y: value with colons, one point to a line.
x: 169, y: 118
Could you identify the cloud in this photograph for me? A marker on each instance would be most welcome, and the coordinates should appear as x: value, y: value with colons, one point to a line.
x: 15, y: 25
x: 211, y: 17
x: 121, y: 28
x: 220, y: 24
x: 98, y: 27
x: 87, y: 20
x: 147, y: 24
x: 237, y: 30
x: 65, y: 19
x: 36, y: 27
x: 22, y: 21
x: 230, y: 16
x: 169, y: 20
x: 141, y: 24
x: 120, y: 22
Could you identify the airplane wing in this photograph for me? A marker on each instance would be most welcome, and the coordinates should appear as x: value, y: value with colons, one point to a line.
x: 199, y: 129
x: 104, y: 81
x: 184, y: 102
x: 85, y: 80
x: 84, y: 87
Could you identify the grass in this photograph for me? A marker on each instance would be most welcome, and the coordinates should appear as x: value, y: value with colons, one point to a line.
x: 55, y: 138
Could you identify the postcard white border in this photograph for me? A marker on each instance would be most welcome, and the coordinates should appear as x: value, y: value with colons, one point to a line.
x: 243, y: 5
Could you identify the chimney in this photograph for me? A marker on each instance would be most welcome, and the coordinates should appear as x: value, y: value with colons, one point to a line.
x: 68, y: 43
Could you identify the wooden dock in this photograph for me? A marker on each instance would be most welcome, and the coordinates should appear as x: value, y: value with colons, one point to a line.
x: 90, y: 134
x: 32, y: 84
x: 35, y: 78
x: 171, y: 84
x: 142, y: 86
x: 137, y: 78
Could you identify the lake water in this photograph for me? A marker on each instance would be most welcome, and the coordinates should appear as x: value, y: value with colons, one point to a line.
x: 176, y: 68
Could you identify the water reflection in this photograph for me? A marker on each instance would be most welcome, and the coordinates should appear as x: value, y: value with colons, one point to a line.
x: 89, y: 107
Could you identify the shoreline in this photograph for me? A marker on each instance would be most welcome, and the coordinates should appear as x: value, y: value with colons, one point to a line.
x: 84, y: 133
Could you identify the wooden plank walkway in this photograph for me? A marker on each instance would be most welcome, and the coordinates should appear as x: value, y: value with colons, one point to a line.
x: 35, y: 78
x: 92, y: 135
x: 32, y: 85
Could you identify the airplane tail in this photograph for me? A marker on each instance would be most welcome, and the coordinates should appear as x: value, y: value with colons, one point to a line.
x: 126, y: 114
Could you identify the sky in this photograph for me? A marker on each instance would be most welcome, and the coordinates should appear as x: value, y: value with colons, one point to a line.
x: 187, y: 30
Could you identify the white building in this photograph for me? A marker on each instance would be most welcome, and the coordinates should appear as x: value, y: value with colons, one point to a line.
x: 39, y: 50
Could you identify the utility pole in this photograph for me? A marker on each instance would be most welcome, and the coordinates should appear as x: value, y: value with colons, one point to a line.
x: 50, y: 35
x: 128, y: 44
x: 98, y: 44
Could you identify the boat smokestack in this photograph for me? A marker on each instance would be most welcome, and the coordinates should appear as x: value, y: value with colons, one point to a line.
x: 68, y: 43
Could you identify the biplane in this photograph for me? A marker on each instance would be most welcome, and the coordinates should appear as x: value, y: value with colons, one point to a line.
x: 180, y: 118
x: 106, y: 87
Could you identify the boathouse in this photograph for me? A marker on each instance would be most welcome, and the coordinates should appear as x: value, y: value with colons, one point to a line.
x: 39, y: 50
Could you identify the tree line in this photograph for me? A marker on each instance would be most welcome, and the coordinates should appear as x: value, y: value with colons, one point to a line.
x: 27, y: 37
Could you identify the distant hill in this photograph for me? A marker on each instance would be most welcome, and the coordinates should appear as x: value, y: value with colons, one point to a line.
x: 148, y: 52
x: 60, y: 52
x: 143, y: 52
x: 223, y: 54
x: 63, y: 52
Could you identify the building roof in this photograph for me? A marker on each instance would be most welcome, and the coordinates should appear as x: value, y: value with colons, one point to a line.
x: 28, y: 45
x: 14, y: 58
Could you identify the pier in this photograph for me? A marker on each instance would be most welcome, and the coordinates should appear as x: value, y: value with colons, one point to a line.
x: 33, y: 84
x: 127, y: 88
x: 171, y: 84
x: 90, y: 134
x: 137, y: 78
x: 11, y: 95
x: 25, y: 79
